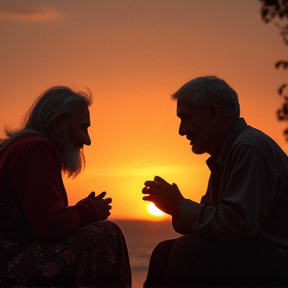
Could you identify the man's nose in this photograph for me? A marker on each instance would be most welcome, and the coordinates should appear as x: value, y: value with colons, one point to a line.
x: 182, y: 130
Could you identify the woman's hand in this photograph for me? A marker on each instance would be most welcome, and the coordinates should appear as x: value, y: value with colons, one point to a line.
x: 102, y: 205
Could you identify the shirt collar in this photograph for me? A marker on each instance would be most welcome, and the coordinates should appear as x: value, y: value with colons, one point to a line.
x: 235, y: 130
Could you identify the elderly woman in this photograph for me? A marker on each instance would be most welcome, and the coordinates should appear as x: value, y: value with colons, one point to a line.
x: 44, y: 241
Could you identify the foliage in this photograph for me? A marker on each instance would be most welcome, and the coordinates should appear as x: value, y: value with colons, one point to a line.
x: 276, y: 11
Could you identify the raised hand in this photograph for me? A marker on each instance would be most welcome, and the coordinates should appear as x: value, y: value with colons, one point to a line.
x: 165, y: 196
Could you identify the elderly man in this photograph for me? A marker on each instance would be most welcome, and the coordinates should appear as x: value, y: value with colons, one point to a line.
x: 237, y: 234
x: 44, y: 241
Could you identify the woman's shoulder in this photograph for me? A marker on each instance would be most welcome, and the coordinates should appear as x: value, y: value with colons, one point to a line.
x: 27, y: 142
x: 29, y: 139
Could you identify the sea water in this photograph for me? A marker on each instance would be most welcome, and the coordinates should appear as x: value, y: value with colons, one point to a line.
x: 141, y: 238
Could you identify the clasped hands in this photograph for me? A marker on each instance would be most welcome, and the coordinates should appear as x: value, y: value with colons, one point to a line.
x: 102, y: 205
x: 165, y: 196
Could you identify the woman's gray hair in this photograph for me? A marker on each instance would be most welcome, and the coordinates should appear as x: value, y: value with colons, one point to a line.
x: 56, y: 101
x: 203, y: 90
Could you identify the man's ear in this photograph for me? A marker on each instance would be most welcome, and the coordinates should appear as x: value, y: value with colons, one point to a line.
x: 215, y: 112
x: 56, y: 125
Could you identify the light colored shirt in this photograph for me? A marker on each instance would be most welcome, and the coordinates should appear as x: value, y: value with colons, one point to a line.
x: 251, y: 199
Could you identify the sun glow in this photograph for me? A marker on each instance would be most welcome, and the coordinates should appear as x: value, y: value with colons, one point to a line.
x: 154, y: 210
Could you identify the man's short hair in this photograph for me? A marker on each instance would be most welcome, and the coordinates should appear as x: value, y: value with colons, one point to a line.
x: 201, y: 91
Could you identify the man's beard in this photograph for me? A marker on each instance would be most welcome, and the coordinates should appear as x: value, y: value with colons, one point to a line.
x: 73, y: 159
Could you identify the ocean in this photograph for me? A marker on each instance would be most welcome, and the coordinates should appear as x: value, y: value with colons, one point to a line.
x: 141, y: 238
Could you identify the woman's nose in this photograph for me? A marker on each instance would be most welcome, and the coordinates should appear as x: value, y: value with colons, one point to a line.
x: 87, y: 140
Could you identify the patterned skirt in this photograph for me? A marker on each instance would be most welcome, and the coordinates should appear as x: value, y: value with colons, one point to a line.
x: 95, y: 255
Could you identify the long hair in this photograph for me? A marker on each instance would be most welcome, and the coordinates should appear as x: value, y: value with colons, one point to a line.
x: 203, y: 90
x: 56, y: 101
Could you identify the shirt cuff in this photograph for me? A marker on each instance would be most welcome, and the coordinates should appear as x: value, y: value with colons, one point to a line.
x: 188, y: 213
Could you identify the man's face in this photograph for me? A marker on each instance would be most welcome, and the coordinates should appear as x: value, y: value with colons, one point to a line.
x: 196, y: 125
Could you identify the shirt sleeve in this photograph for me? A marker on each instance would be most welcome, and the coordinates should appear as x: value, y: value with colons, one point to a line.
x: 249, y: 195
x: 37, y: 181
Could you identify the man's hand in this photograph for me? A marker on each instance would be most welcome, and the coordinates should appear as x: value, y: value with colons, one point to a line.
x: 102, y: 205
x: 165, y: 196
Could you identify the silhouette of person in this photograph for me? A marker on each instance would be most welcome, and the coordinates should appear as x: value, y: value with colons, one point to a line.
x: 45, y: 242
x: 237, y: 234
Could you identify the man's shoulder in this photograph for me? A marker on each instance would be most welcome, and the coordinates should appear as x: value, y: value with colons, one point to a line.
x: 253, y: 136
x: 257, y: 140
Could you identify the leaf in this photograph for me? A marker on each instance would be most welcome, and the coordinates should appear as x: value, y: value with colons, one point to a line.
x: 281, y: 63
x: 281, y: 88
x: 285, y: 109
x: 279, y: 115
x: 286, y: 133
x: 264, y: 13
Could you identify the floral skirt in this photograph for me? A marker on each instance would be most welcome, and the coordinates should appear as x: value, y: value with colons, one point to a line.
x: 95, y: 255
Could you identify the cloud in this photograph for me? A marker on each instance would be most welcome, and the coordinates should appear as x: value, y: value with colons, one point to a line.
x: 37, y: 14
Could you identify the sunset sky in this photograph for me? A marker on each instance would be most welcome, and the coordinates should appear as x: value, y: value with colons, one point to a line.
x: 132, y: 55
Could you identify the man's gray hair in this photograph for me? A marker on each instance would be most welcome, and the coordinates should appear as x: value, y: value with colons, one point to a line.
x: 203, y: 90
x: 56, y: 101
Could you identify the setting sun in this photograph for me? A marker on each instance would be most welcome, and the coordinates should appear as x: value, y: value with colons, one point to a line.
x: 154, y: 210
x: 127, y: 117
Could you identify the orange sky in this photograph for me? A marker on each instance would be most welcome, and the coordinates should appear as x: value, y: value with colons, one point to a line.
x: 133, y: 55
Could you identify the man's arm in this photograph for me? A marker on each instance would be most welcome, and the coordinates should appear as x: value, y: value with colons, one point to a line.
x: 247, y: 200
